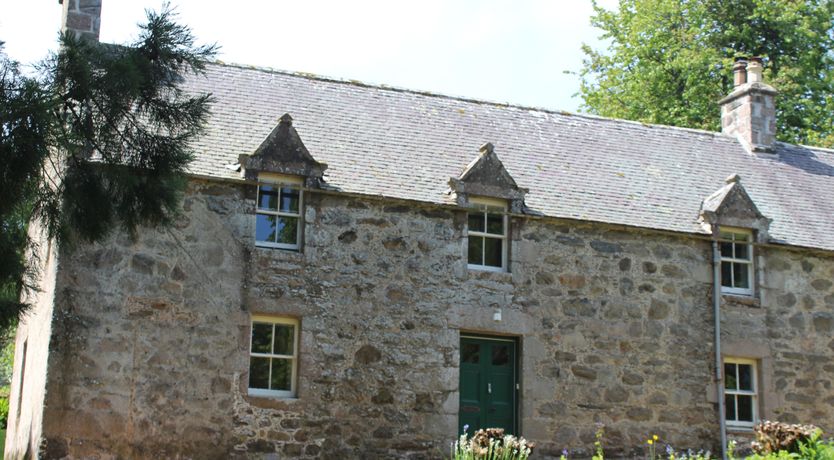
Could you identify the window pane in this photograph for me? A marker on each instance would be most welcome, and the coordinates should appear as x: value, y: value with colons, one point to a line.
x: 259, y: 373
x: 495, y: 224
x: 289, y: 199
x: 740, y: 276
x: 287, y: 230
x: 261, y: 338
x: 476, y: 222
x: 726, y: 276
x: 730, y: 407
x: 281, y: 374
x: 742, y: 251
x: 494, y: 254
x: 745, y: 408
x: 265, y: 228
x: 730, y: 382
x: 268, y: 198
x: 500, y: 355
x: 745, y: 377
x: 284, y: 334
x: 476, y: 248
x: 470, y: 353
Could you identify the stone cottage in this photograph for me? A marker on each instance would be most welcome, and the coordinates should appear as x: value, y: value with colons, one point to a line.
x: 360, y: 271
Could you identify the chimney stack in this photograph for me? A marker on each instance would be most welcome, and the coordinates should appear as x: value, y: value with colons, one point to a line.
x: 81, y: 17
x: 749, y: 112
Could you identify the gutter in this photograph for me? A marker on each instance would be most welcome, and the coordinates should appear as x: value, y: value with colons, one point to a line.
x: 716, y: 309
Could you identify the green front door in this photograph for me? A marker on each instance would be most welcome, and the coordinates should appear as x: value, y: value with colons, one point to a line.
x: 487, y: 384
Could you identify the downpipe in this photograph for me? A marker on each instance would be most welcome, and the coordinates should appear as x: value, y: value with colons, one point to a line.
x: 716, y: 309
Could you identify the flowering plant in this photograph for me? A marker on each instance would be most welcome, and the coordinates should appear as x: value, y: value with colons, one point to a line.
x: 490, y: 444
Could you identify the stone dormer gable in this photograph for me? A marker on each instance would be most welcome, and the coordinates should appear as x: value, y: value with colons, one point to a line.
x: 283, y: 152
x: 731, y: 206
x: 486, y: 176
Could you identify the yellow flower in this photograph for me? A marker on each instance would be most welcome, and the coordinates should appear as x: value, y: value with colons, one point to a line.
x: 654, y: 437
x: 650, y: 442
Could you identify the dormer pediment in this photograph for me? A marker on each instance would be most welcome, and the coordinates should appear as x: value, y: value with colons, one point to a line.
x: 486, y: 176
x: 731, y: 206
x: 283, y: 152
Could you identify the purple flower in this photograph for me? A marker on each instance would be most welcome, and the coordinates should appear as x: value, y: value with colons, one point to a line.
x: 669, y: 449
x: 465, y: 427
x: 565, y: 453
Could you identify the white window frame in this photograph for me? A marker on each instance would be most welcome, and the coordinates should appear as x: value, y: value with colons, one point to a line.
x: 267, y: 319
x: 754, y: 394
x: 734, y: 232
x: 280, y: 181
x: 482, y: 205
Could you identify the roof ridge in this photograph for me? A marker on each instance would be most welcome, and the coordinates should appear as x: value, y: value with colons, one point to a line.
x: 815, y: 148
x: 385, y: 87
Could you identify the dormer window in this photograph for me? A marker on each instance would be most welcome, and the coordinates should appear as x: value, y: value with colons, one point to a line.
x: 487, y: 191
x: 487, y: 230
x: 278, y: 214
x: 736, y: 262
x: 283, y: 168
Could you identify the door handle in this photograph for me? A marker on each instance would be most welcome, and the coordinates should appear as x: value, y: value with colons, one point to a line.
x: 489, y: 388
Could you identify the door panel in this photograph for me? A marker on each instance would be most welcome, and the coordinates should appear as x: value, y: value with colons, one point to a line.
x: 487, y: 384
x: 501, y: 401
x: 471, y: 397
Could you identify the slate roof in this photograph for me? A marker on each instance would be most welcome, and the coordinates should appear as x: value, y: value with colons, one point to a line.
x: 407, y: 144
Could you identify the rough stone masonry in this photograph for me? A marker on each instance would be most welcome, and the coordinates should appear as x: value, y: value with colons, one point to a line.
x: 141, y: 348
x: 148, y: 354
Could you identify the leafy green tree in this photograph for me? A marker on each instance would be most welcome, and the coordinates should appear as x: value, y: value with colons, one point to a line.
x: 670, y: 61
x: 101, y: 141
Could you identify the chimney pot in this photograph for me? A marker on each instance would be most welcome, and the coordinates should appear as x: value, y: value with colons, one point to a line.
x: 754, y: 70
x: 740, y: 72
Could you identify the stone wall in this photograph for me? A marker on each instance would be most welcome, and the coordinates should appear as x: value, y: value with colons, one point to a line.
x: 149, y: 352
x: 29, y: 377
x: 791, y: 332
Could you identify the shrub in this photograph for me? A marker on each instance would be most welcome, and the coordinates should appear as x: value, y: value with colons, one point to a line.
x: 772, y: 437
x: 4, y: 412
x: 491, y: 444
x: 812, y: 448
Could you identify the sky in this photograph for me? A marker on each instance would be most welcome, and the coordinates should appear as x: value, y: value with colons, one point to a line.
x: 504, y: 51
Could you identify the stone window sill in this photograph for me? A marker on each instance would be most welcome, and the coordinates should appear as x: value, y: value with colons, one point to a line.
x: 293, y: 255
x: 266, y: 402
x: 740, y: 301
x: 491, y: 275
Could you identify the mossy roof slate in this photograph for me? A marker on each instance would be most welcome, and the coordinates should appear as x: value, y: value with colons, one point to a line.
x: 407, y: 144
